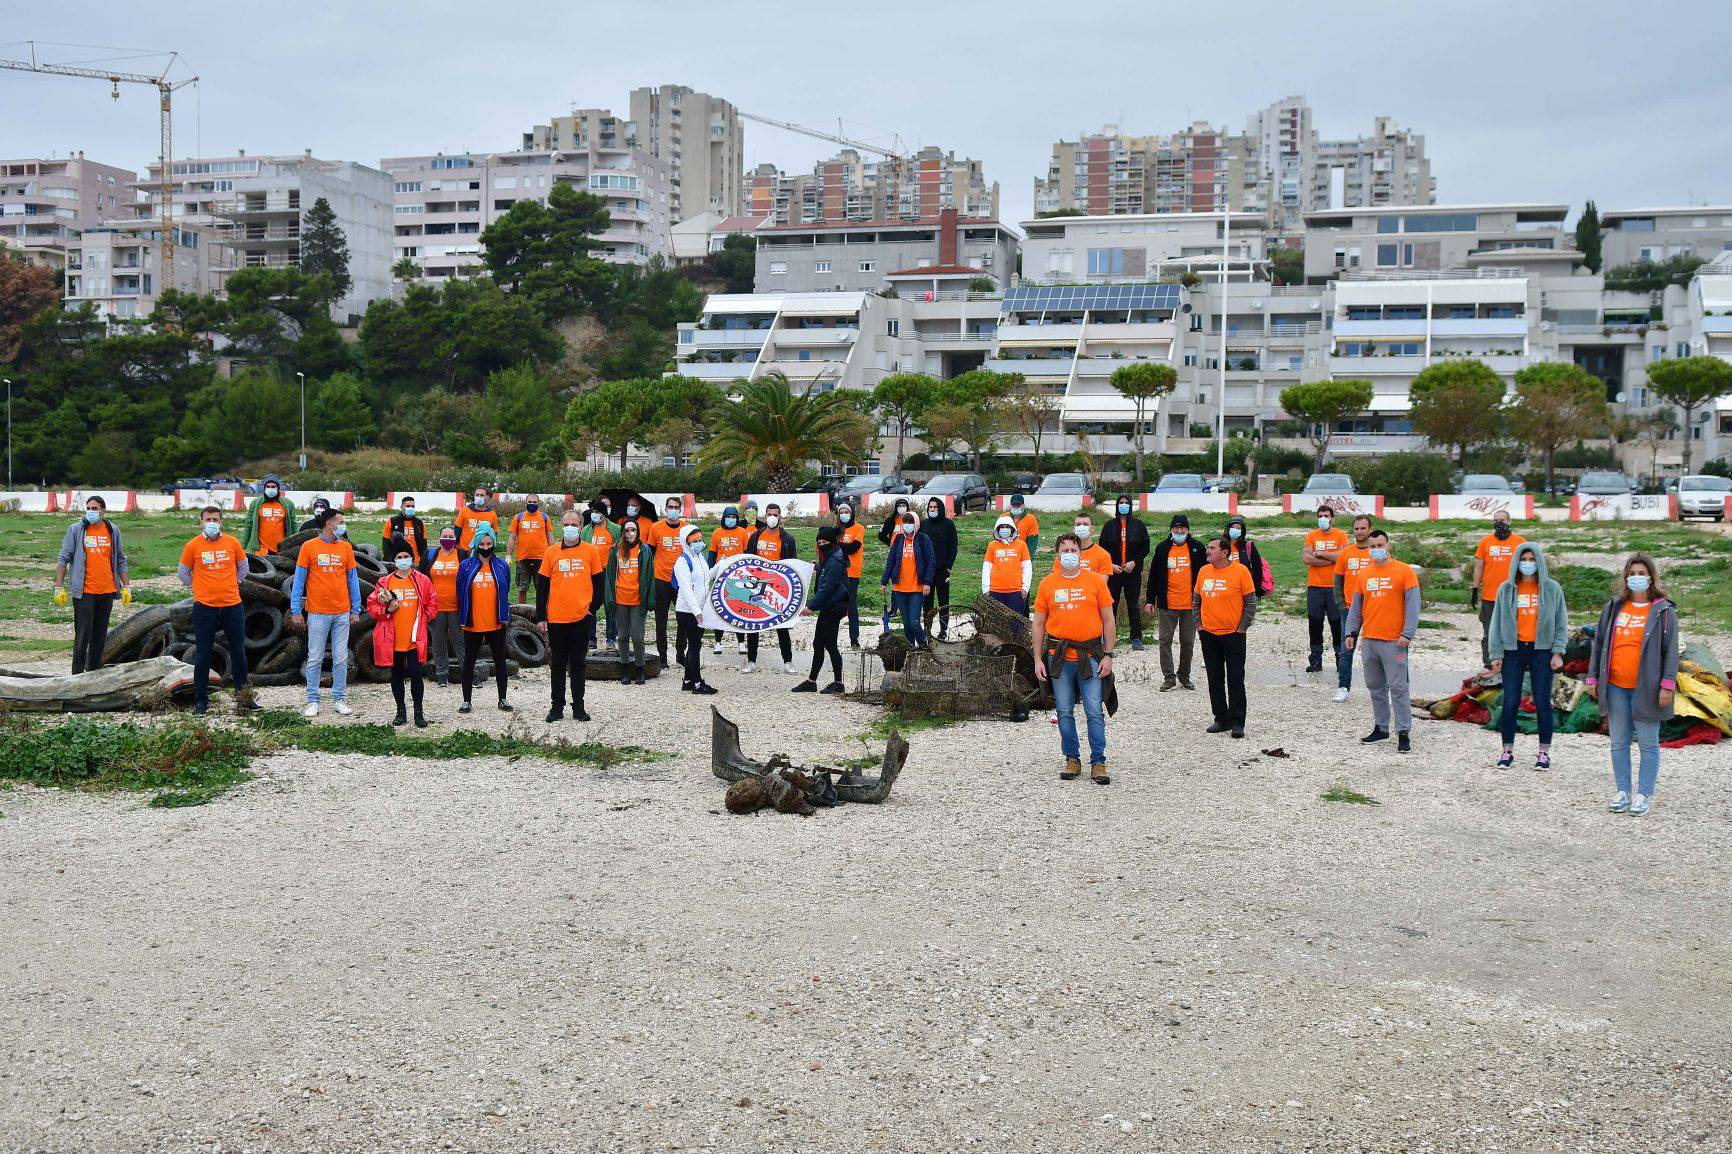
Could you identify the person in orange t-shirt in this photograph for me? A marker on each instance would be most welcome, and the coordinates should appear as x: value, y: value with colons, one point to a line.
x: 326, y: 599
x: 728, y: 541
x: 909, y: 571
x: 528, y: 540
x: 445, y: 633
x: 1322, y: 548
x: 629, y: 566
x: 1348, y: 564
x: 1094, y: 558
x: 1492, y: 559
x: 212, y: 565
x: 1171, y: 597
x: 1007, y: 572
x: 402, y: 605
x: 1381, y: 623
x: 1633, y: 674
x: 852, y: 542
x: 569, y: 569
x: 665, y: 537
x: 90, y: 571
x: 1226, y: 599
x: 478, y: 512
x: 1075, y: 605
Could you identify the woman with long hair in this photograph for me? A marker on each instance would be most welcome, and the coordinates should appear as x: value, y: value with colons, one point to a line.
x: 1633, y: 674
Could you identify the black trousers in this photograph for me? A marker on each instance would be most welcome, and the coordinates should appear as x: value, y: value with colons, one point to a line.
x: 854, y: 611
x: 1320, y: 607
x: 1224, y: 658
x: 664, y: 602
x: 1125, y: 587
x: 690, y: 643
x: 406, y: 666
x: 824, y: 642
x: 598, y: 602
x: 938, y: 605
x: 472, y: 642
x: 90, y: 614
x: 783, y: 641
x: 568, y: 649
x: 206, y: 620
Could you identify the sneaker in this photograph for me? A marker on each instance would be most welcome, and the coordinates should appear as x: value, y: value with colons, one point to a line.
x: 1169, y: 683
x: 1136, y: 647
x: 1072, y: 769
x: 741, y: 647
x: 854, y: 645
x: 1099, y: 775
x: 443, y: 682
x: 1620, y: 802
x: 1218, y: 727
x: 686, y: 685
x: 555, y: 714
x: 1506, y: 760
x: 578, y: 713
x: 1052, y: 718
x: 750, y: 667
x: 504, y: 706
x: 1341, y: 695
x: 1639, y: 805
x: 716, y: 647
x: 1543, y: 761
x: 465, y: 707
x: 198, y: 709
x: 703, y: 689
x: 1402, y: 744
x: 1186, y: 683
x: 1238, y: 731
x: 625, y: 677
x: 1316, y: 666
x: 787, y: 667
x: 311, y: 710
x: 638, y: 678
x: 402, y: 718
x: 342, y: 708
x: 805, y: 687
x: 834, y: 687
x: 1375, y: 735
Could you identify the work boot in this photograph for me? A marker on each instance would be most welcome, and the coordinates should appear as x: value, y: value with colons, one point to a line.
x: 245, y: 702
x: 944, y: 624
x: 638, y: 680
x: 504, y: 705
x: 1072, y: 769
x: 578, y: 712
x: 420, y: 718
x: 624, y: 674
x: 1099, y: 775
x: 1169, y: 683
x: 402, y: 717
x: 556, y: 713
x: 198, y: 709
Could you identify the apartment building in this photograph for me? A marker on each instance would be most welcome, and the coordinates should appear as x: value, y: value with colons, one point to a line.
x: 848, y: 187
x: 1388, y: 167
x: 1427, y: 238
x: 1705, y: 309
x: 441, y: 204
x: 700, y: 139
x: 1658, y: 234
x: 582, y: 130
x: 117, y: 266
x: 250, y: 210
x: 45, y: 203
x: 858, y: 256
x: 1145, y: 246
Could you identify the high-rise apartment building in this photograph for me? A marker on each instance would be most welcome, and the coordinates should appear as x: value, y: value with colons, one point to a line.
x: 699, y: 138
x: 44, y: 204
x: 847, y: 188
x: 1389, y: 167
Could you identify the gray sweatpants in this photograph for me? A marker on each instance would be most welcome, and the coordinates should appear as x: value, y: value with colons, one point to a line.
x: 1184, y: 622
x: 629, y: 620
x: 1386, y: 678
x: 1486, y: 605
x: 444, y: 642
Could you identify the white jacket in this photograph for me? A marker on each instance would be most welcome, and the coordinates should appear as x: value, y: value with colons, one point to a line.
x: 691, y: 583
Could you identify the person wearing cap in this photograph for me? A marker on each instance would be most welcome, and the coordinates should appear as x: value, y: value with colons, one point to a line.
x: 599, y: 533
x: 528, y: 539
x: 1007, y: 572
x: 90, y: 571
x: 569, y: 569
x: 268, y: 517
x: 402, y: 606
x: 1492, y: 559
x: 1126, y: 540
x: 1027, y: 525
x: 1322, y: 549
x: 484, y: 610
x: 829, y: 600
x: 774, y: 543
x: 691, y: 581
x: 852, y: 536
x: 212, y: 566
x: 315, y: 515
x: 1173, y: 571
x: 441, y: 565
x: 405, y: 526
x: 325, y: 599
x: 729, y: 540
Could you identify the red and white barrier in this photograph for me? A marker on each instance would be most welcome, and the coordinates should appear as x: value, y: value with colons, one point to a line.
x: 427, y: 502
x: 33, y: 502
x: 228, y: 500
x: 117, y: 500
x: 1727, y: 512
x: 1224, y: 503
x: 1483, y: 506
x: 1353, y: 503
x: 793, y: 504
x: 688, y: 504
x: 303, y: 499
x: 1624, y: 507
x: 1047, y: 503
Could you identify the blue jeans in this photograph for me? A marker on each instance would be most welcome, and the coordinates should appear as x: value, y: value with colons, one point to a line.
x: 1620, y: 706
x: 907, y: 606
x: 334, y: 628
x: 1537, y: 664
x: 1066, y: 687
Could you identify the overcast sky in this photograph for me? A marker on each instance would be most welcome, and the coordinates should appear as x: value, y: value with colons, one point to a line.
x: 1629, y: 104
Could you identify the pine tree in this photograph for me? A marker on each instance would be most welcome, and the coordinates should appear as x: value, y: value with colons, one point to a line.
x: 1588, y: 236
x: 324, y: 248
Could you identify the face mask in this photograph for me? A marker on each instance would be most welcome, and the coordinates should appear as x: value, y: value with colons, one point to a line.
x: 212, y: 530
x: 595, y: 518
x: 480, y: 502
x: 1501, y: 531
x: 484, y: 548
x: 1235, y: 532
x: 1323, y: 524
x: 1529, y: 568
x: 1005, y: 532
x: 270, y: 490
x: 730, y: 522
x: 1084, y: 530
x: 1124, y: 509
x: 1637, y: 582
x: 672, y: 513
x: 569, y: 533
x: 92, y: 516
x: 531, y: 506
x: 1379, y: 553
x: 844, y: 516
x: 907, y: 527
x: 403, y: 564
x: 447, y: 542
x: 631, y: 510
x: 1070, y: 562
x: 1179, y: 536
x: 342, y: 531
x: 1016, y: 510
x: 408, y: 510
x: 696, y: 545
x: 317, y: 509
x: 772, y: 520
x: 932, y: 511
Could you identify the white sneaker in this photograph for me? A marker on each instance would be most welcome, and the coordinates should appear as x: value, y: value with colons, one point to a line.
x: 750, y: 667
x: 1341, y: 695
x: 742, y: 647
x: 787, y: 667
x: 1620, y: 802
x: 342, y: 708
x: 1639, y: 805
x: 715, y: 647
x: 312, y: 709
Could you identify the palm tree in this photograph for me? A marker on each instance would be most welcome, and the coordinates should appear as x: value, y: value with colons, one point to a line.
x: 406, y: 269
x: 777, y: 429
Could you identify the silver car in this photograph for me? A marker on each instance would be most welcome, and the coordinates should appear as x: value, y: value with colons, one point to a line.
x: 1703, y: 495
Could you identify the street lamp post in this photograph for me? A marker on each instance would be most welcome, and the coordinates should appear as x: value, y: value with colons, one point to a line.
x: 8, y: 434
x: 302, y: 377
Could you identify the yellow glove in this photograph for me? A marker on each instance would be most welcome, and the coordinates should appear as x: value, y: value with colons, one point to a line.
x: 126, y: 596
x: 60, y: 598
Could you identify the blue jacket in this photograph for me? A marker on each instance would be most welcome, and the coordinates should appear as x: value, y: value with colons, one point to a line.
x: 501, y: 578
x: 830, y: 590
x: 925, y: 560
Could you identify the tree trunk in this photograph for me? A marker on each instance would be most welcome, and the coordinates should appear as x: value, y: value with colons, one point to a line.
x: 1322, y: 444
x: 901, y: 444
x: 1551, y: 456
x: 1139, y: 432
x: 622, y: 453
x: 1688, y: 411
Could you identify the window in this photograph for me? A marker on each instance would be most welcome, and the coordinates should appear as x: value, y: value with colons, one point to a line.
x: 1353, y: 256
x: 893, y: 327
x: 452, y: 162
x: 503, y: 205
x: 1639, y: 396
x: 1389, y: 224
x: 409, y: 209
x: 778, y: 267
x: 1657, y: 353
x: 408, y: 186
x: 1387, y: 255
x: 1295, y: 362
x: 1106, y: 261
x: 1190, y: 358
x: 868, y: 266
x: 1340, y: 258
x: 821, y: 266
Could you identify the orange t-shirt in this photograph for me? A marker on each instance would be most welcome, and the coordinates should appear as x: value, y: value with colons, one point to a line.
x: 468, y: 519
x: 1181, y: 582
x: 666, y: 540
x: 628, y: 582
x: 770, y: 544
x: 1326, y: 545
x: 327, y: 564
x: 215, y: 565
x: 444, y: 574
x: 273, y: 525
x: 1006, y: 559
x: 483, y: 601
x: 1027, y: 526
x: 98, y: 559
x: 1383, y: 589
x: 1073, y: 605
x: 1497, y: 557
x: 531, y: 530
x: 1352, y: 560
x: 1221, y: 593
x: 405, y: 617
x: 1527, y: 610
x: 602, y: 538
x: 725, y: 543
x: 908, y: 572
x: 570, y: 574
x: 855, y: 532
x: 1628, y: 629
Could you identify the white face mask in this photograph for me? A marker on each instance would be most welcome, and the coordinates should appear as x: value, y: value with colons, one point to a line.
x: 1070, y: 562
x: 569, y: 533
x: 1084, y: 530
x: 1005, y: 532
x: 1323, y: 523
x: 772, y: 520
x: 906, y: 527
x: 403, y: 564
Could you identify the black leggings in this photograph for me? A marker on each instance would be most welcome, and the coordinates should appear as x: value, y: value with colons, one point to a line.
x: 472, y: 641
x: 406, y: 664
x: 689, y: 644
x: 854, y: 611
x: 90, y: 614
x: 782, y: 639
x: 664, y: 602
x: 824, y: 642
x: 568, y: 647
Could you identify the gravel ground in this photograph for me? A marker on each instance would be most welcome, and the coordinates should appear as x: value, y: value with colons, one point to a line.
x: 379, y: 954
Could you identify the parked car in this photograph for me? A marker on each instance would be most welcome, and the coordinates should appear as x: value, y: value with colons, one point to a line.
x: 1223, y: 483
x: 1603, y: 484
x: 1703, y: 495
x: 1484, y: 483
x: 967, y: 490
x: 1066, y: 485
x: 857, y: 488
x: 1329, y: 484
x: 189, y: 483
x: 1024, y: 483
x: 1517, y: 485
x: 1180, y: 483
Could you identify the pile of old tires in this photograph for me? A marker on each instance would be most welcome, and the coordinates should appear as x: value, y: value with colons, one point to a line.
x: 276, y: 647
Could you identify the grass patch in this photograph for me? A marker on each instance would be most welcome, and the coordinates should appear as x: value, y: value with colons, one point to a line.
x: 285, y: 727
x: 880, y: 727
x: 185, y: 763
x: 1425, y: 623
x: 1347, y: 795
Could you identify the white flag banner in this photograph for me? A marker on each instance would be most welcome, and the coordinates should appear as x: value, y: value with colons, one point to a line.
x: 750, y: 594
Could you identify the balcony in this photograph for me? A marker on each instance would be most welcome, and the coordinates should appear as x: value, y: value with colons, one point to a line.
x: 1375, y: 366
x: 1055, y: 334
x: 1479, y: 327
x: 1030, y: 367
x: 1398, y: 328
x: 1151, y: 331
x: 724, y: 338
x: 737, y: 371
x: 815, y: 338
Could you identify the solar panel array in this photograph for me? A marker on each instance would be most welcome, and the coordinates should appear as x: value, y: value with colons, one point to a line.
x: 1068, y: 298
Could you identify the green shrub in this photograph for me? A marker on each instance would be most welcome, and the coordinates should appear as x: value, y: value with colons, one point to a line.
x: 187, y: 762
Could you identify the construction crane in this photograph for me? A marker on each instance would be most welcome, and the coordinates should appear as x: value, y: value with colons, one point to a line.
x: 834, y: 137
x: 166, y: 88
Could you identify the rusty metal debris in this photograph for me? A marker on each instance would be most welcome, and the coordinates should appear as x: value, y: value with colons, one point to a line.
x: 989, y: 670
x: 795, y: 789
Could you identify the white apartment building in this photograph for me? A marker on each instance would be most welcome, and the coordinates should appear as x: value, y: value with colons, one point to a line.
x: 699, y: 137
x: 441, y: 204
x: 117, y: 266
x: 44, y: 203
x: 1427, y: 238
x: 1144, y: 246
x: 1658, y: 234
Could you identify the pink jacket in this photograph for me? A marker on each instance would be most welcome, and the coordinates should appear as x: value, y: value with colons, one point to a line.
x: 385, y: 631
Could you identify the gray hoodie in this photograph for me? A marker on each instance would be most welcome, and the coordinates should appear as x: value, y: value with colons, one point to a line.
x: 1659, y: 668
x: 72, y: 556
x: 1551, y: 631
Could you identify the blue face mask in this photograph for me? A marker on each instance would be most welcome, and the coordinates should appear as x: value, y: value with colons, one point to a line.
x: 1179, y: 536
x: 1637, y: 582
x: 595, y: 518
x: 1528, y: 568
x: 531, y: 506
x: 212, y: 529
x: 1379, y: 553
x: 403, y: 564
x: 92, y: 516
x: 730, y: 522
x: 1124, y: 509
x: 1235, y: 532
x: 569, y: 533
